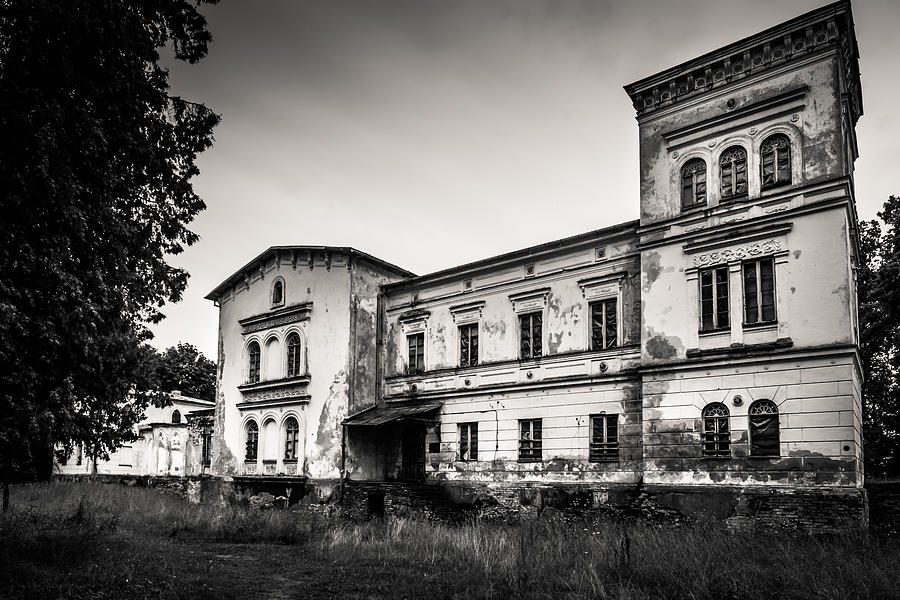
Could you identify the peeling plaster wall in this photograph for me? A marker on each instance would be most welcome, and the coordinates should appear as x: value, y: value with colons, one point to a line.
x: 327, y: 362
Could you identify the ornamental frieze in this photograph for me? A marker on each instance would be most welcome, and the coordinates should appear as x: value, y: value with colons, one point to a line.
x: 738, y: 253
x: 290, y: 391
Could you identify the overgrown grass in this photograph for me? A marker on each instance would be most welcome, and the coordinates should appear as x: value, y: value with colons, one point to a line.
x: 95, y: 541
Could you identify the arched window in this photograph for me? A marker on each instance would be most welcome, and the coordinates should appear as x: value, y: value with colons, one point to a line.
x: 176, y: 416
x: 716, y: 434
x: 277, y: 292
x: 776, y: 161
x: 252, y: 445
x: 764, y: 437
x: 253, y: 356
x: 733, y: 166
x: 291, y: 436
x: 293, y: 355
x: 693, y: 183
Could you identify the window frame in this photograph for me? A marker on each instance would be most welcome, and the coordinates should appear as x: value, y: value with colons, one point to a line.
x: 467, y: 437
x: 717, y: 437
x: 530, y: 315
x: 254, y: 361
x: 294, y: 367
x: 618, y: 317
x: 694, y: 202
x: 757, y: 265
x: 604, y: 450
x: 716, y: 309
x: 176, y: 417
x: 775, y: 156
x: 764, y: 402
x: 251, y: 432
x: 726, y: 197
x: 291, y: 445
x: 533, y: 445
x: 472, y: 349
x: 414, y: 367
x: 276, y: 284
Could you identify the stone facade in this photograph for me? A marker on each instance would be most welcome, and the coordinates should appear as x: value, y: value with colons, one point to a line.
x: 700, y: 359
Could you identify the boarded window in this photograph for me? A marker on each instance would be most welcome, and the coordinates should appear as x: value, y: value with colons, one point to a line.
x: 604, y: 324
x: 253, y: 360
x: 759, y: 291
x: 416, y: 344
x: 764, y: 436
x: 468, y: 345
x: 294, y: 368
x: 206, y: 455
x: 530, y: 440
x: 291, y: 435
x: 468, y: 441
x: 733, y: 167
x: 714, y: 299
x: 604, y: 438
x: 776, y: 161
x: 716, y: 433
x: 693, y: 183
x: 530, y: 331
x: 252, y: 444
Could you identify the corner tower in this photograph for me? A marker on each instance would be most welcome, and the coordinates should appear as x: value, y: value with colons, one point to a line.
x: 749, y: 331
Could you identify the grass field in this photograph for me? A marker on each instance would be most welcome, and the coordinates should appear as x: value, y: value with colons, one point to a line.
x: 89, y: 540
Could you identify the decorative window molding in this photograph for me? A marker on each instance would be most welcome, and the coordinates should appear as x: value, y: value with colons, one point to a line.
x: 604, y: 286
x: 285, y: 316
x: 530, y: 301
x: 467, y: 313
x: 413, y: 321
x: 738, y: 253
x: 775, y: 161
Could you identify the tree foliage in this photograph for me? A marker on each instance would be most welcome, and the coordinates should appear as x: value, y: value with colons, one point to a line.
x: 879, y: 314
x: 96, y: 161
x: 184, y: 368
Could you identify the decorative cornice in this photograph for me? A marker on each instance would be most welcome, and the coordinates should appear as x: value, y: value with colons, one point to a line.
x: 738, y: 253
x: 828, y: 28
x: 293, y: 388
x: 276, y: 318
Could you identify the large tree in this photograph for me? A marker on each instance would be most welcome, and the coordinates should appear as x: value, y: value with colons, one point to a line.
x: 96, y: 161
x: 184, y: 368
x: 879, y: 312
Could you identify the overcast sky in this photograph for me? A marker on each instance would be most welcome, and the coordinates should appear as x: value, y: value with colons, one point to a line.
x: 432, y: 133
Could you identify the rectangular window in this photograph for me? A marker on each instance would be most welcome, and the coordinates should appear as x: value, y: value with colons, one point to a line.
x: 468, y: 345
x: 207, y: 447
x: 604, y: 438
x: 759, y: 291
x: 416, y: 344
x: 714, y: 299
x: 468, y: 441
x: 530, y: 440
x: 530, y: 330
x: 604, y: 324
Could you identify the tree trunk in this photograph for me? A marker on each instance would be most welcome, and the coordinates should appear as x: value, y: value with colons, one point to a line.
x: 94, y: 463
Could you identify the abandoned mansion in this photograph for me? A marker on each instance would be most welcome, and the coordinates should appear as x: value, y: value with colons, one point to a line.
x: 701, y: 358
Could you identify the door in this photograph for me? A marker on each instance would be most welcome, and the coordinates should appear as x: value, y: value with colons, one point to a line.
x: 412, y: 458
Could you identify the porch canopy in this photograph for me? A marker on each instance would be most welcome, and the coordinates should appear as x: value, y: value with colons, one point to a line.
x: 383, y: 415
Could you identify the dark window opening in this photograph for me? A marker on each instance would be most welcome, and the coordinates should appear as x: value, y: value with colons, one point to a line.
x: 716, y: 433
x: 733, y: 166
x: 206, y: 455
x: 776, y: 161
x: 252, y: 445
x: 253, y: 355
x: 604, y: 438
x: 714, y: 299
x: 604, y: 324
x: 530, y: 332
x: 468, y: 345
x: 693, y: 183
x: 176, y: 416
x: 530, y: 440
x: 277, y: 293
x: 293, y: 355
x: 375, y: 504
x: 759, y: 291
x: 764, y: 430
x: 468, y: 441
x: 416, y: 344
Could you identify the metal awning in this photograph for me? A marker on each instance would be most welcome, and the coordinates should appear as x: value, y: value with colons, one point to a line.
x: 382, y: 415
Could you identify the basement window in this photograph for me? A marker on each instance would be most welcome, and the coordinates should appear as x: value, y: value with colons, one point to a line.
x: 716, y: 433
x: 604, y: 438
x: 530, y: 440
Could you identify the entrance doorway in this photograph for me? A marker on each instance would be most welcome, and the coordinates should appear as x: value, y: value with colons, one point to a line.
x: 412, y: 451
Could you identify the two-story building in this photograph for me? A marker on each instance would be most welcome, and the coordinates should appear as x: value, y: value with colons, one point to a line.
x: 703, y: 357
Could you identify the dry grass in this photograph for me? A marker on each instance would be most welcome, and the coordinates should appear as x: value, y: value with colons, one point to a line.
x: 97, y: 541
